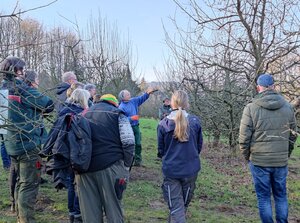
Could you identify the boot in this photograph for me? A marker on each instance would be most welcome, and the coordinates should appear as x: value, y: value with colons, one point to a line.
x: 77, y: 219
x: 71, y: 218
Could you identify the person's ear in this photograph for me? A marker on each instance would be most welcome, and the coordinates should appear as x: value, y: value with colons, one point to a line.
x: 258, y: 88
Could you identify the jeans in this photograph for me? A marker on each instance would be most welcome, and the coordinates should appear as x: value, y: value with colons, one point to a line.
x: 73, y: 202
x: 267, y: 179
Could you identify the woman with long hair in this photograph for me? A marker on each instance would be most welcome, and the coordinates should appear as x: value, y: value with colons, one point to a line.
x: 179, y: 145
x: 76, y: 103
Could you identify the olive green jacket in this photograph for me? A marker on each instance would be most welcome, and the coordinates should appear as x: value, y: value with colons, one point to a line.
x: 265, y: 131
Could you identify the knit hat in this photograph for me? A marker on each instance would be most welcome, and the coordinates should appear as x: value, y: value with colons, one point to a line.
x: 265, y: 80
x: 110, y: 98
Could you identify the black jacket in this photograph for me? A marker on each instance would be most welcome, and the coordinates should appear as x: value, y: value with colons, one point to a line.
x: 112, y: 136
x: 61, y: 95
x: 68, y: 145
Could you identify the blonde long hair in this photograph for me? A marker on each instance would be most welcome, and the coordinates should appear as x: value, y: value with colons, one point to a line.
x: 180, y: 101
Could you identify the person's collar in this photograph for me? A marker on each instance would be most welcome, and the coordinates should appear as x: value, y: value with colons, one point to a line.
x: 174, y: 112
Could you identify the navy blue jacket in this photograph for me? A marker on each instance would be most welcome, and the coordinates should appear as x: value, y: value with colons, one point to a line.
x: 69, y: 144
x: 70, y: 108
x: 179, y: 159
x: 61, y: 95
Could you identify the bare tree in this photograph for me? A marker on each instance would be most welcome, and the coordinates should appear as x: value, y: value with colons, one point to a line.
x: 108, y: 57
x: 99, y: 55
x: 224, y: 48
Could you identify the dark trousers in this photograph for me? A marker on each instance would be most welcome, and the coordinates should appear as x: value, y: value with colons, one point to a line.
x: 28, y: 169
x: 178, y: 193
x: 73, y: 202
x: 12, y: 181
x: 138, y: 145
x: 5, y: 157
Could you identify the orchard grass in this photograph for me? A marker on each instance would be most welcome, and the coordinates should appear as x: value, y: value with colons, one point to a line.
x: 224, y: 191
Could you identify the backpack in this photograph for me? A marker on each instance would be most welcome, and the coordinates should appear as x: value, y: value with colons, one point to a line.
x: 69, y: 142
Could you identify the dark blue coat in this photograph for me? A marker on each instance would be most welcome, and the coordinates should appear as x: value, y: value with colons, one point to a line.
x: 61, y: 95
x: 71, y: 109
x: 69, y: 144
x: 179, y: 159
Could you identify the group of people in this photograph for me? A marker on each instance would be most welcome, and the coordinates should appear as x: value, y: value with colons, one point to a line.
x: 114, y: 130
x: 267, y: 136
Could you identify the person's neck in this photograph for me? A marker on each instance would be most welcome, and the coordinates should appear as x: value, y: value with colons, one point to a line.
x: 266, y: 90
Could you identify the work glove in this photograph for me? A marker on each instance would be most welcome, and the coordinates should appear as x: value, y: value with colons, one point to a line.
x: 134, y: 118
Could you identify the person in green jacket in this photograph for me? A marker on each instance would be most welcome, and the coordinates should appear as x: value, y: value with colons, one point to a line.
x: 25, y: 107
x: 266, y: 138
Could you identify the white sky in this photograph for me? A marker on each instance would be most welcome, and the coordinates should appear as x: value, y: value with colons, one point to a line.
x: 142, y: 19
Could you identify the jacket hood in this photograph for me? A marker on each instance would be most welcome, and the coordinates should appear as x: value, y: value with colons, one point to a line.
x: 62, y: 87
x: 270, y: 100
x: 168, y: 124
x: 71, y: 108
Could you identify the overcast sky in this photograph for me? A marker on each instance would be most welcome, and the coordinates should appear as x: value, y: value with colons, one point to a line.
x: 142, y: 19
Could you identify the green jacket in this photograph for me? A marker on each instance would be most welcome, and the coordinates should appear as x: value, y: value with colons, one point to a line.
x: 265, y: 136
x: 26, y: 105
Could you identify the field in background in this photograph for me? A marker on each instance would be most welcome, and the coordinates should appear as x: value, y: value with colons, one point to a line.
x: 224, y: 190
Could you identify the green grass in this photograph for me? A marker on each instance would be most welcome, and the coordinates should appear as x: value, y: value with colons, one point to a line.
x: 224, y: 192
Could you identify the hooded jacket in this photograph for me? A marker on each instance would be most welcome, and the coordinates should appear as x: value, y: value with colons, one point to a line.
x: 69, y: 145
x: 26, y: 105
x: 61, y: 95
x: 265, y: 136
x: 179, y: 159
x: 70, y: 108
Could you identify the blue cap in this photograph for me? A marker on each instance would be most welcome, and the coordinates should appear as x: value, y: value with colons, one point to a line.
x: 265, y: 80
